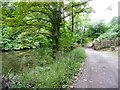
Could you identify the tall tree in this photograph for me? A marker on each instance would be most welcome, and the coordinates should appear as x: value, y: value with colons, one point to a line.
x: 34, y: 16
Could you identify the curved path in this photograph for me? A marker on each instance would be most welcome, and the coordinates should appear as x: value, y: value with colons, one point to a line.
x: 100, y: 71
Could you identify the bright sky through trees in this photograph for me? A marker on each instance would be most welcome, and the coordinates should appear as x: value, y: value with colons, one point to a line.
x: 104, y: 9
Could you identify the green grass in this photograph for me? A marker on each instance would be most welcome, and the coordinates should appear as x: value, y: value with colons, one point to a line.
x: 55, y: 75
x: 20, y: 60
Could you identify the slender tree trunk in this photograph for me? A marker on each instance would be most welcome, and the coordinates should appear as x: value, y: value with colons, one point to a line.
x: 72, y: 20
x: 72, y: 23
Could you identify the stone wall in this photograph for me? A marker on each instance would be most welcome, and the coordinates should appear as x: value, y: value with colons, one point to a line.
x: 98, y: 44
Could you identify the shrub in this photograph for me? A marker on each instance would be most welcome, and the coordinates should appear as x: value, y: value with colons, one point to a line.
x: 78, y: 54
x: 112, y: 48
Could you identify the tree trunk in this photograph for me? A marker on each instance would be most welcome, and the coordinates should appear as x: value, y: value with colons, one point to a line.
x: 55, y: 41
x: 72, y: 20
x: 56, y: 22
x: 72, y: 24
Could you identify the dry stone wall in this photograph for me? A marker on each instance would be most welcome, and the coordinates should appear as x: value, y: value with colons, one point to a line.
x: 98, y: 44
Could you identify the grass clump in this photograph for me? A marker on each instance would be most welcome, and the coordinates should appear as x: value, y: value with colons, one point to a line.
x: 58, y: 74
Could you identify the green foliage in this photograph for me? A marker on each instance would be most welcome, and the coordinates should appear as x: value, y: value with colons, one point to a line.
x: 78, y: 54
x: 58, y: 74
x: 33, y: 24
x: 27, y: 25
x: 19, y: 60
x: 112, y: 48
x: 65, y: 40
x: 108, y: 35
x: 96, y: 29
x: 113, y: 30
x: 68, y: 38
x: 26, y: 39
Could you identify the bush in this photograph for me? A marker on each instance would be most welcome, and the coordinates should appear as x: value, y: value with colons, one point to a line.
x: 56, y: 75
x: 112, y: 31
x: 112, y: 48
x: 78, y: 54
x: 19, y: 60
x: 96, y: 29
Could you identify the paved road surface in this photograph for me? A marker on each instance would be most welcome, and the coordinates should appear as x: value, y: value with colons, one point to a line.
x: 100, y: 71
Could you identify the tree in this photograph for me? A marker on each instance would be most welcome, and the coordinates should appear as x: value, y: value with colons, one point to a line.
x: 96, y: 29
x: 36, y: 19
x: 112, y: 30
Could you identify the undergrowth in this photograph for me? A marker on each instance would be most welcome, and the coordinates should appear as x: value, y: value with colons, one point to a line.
x: 58, y: 74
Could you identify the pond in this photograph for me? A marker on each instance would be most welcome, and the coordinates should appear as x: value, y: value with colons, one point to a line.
x: 17, y: 61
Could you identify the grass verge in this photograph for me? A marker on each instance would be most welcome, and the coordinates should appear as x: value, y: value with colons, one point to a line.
x: 55, y: 75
